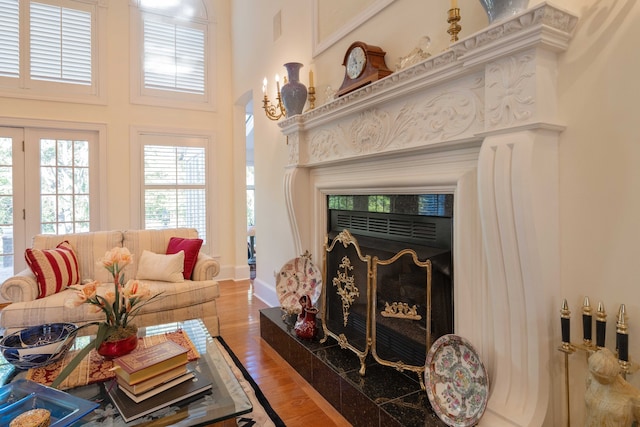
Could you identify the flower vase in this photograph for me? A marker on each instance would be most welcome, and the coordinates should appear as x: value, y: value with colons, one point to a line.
x: 501, y: 9
x: 294, y: 93
x: 119, y: 344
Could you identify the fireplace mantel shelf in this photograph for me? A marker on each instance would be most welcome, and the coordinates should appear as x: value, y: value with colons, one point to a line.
x: 480, y: 121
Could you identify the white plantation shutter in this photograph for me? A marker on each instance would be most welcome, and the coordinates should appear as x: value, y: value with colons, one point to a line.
x: 60, y: 44
x: 9, y: 38
x: 174, y: 56
x: 175, y: 187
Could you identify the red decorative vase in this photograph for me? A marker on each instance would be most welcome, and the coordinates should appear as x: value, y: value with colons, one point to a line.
x: 306, y: 325
x: 117, y: 348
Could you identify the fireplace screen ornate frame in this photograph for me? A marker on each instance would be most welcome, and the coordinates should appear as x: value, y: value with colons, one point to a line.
x: 345, y: 299
x: 407, y: 311
x: 382, y: 306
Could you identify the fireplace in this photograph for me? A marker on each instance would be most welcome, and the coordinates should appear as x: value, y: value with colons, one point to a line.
x: 395, y: 252
x: 478, y: 121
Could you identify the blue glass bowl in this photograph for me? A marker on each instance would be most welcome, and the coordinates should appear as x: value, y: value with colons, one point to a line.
x: 38, y: 345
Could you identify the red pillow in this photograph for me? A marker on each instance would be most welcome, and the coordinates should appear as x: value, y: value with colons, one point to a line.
x: 191, y: 248
x: 55, y: 269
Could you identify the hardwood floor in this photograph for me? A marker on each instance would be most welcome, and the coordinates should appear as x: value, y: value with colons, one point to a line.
x: 295, y: 401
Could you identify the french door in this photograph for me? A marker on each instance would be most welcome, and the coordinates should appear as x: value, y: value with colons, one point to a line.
x: 48, y: 184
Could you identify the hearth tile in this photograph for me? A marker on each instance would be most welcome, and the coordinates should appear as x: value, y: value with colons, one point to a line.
x: 382, y: 384
x: 339, y: 359
x: 357, y: 408
x: 327, y: 382
x: 414, y: 410
x: 300, y: 359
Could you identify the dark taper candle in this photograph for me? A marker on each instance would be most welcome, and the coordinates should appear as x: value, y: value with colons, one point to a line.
x: 586, y: 320
x: 565, y: 322
x: 622, y: 337
x: 601, y: 325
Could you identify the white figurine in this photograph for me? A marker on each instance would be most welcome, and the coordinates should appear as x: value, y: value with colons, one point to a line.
x: 610, y: 400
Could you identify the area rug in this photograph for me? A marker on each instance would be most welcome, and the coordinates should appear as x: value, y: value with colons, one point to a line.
x: 263, y: 414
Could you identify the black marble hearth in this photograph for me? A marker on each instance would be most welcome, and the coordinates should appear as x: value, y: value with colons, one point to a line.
x: 384, y: 397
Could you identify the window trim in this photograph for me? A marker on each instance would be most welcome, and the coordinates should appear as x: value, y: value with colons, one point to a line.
x: 26, y: 88
x: 167, y: 98
x: 211, y: 176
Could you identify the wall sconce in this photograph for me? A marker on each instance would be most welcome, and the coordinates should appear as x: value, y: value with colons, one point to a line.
x: 277, y: 111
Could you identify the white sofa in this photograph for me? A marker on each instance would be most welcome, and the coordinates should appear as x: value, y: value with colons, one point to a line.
x: 191, y: 299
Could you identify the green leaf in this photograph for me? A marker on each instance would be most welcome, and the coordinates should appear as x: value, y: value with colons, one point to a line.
x: 94, y: 343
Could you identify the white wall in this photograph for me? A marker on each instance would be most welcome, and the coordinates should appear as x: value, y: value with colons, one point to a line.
x: 599, y: 151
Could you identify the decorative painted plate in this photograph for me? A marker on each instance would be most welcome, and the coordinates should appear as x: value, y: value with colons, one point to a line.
x: 298, y: 277
x: 456, y: 381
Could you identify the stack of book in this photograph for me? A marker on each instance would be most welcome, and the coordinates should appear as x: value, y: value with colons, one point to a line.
x: 153, y: 378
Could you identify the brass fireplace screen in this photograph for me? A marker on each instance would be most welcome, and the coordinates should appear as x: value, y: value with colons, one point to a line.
x: 385, y: 302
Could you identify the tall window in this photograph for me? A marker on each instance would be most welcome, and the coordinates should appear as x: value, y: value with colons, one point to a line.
x: 174, y: 184
x: 172, y: 53
x: 49, y: 48
x: 49, y: 183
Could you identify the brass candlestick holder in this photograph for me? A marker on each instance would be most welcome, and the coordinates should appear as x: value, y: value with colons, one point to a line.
x: 311, y: 97
x: 454, y: 27
x: 273, y: 111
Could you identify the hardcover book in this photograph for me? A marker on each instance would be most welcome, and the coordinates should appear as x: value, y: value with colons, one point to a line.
x: 159, y: 389
x: 152, y: 382
x: 130, y: 410
x: 141, y: 365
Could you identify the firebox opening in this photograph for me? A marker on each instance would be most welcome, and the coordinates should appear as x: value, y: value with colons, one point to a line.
x: 385, y: 225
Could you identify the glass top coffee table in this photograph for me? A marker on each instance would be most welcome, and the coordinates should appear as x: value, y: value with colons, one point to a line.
x: 225, y: 400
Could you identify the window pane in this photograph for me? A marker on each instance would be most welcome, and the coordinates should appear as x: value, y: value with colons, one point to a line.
x: 81, y: 153
x: 60, y: 44
x: 65, y: 153
x: 160, y: 209
x: 9, y: 39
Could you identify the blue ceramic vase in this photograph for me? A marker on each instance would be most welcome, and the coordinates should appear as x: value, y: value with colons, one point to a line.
x: 294, y: 93
x: 502, y: 9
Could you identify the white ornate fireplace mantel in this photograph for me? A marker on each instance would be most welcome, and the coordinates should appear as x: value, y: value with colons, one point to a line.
x: 479, y: 121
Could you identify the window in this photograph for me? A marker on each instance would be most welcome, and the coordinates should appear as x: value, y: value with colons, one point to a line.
x: 64, y: 186
x: 173, y: 181
x: 60, y: 44
x: 171, y: 54
x: 49, y: 183
x: 50, y: 49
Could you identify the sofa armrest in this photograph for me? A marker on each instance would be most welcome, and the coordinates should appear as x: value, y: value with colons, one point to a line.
x: 206, y: 268
x: 21, y: 287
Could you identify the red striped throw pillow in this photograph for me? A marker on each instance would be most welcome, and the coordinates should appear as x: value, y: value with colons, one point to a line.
x: 55, y: 269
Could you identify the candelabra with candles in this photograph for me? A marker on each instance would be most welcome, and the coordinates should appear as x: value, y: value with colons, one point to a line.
x: 277, y: 111
x: 587, y: 345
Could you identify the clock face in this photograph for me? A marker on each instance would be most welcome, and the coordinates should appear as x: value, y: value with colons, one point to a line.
x: 356, y: 62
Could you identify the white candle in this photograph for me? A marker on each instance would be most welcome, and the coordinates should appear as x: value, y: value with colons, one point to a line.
x: 264, y: 86
x: 311, y: 78
x: 278, y: 83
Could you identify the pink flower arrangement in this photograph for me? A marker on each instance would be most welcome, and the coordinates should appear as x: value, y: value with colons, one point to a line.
x: 120, y: 304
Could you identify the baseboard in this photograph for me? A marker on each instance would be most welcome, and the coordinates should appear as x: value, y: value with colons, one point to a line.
x: 265, y: 292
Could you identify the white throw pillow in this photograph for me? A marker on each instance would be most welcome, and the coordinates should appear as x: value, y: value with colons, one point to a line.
x: 167, y: 268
